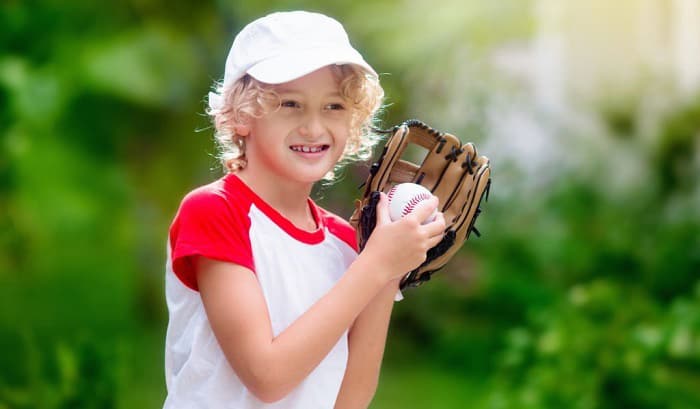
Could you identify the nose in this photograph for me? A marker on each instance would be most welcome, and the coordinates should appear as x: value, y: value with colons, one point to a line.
x: 312, y: 126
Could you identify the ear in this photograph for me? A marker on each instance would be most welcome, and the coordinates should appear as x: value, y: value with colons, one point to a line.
x: 242, y: 130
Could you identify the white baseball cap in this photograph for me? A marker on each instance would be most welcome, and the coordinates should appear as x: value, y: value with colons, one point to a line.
x: 284, y: 46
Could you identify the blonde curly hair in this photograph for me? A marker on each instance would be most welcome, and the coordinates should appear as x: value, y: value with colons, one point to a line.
x: 249, y: 98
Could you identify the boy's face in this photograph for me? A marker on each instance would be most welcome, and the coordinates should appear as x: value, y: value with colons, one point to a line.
x: 303, y: 139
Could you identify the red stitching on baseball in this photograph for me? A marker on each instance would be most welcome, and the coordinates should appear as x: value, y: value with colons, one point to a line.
x: 391, y: 192
x: 411, y: 204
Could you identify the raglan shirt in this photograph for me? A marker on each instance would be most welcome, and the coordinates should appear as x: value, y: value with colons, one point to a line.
x: 227, y: 221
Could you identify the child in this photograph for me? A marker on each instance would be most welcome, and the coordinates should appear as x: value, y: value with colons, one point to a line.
x: 270, y: 305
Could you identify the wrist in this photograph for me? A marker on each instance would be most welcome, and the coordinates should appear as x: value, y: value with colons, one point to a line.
x: 375, y: 270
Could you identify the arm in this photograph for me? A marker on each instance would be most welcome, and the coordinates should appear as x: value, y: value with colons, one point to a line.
x: 271, y: 367
x: 366, y: 342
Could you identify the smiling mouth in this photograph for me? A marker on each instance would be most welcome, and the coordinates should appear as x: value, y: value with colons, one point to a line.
x: 309, y: 149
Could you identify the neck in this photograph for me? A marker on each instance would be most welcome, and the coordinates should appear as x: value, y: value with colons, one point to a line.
x: 289, y: 199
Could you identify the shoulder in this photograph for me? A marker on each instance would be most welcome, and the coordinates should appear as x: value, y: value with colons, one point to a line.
x: 212, y: 221
x: 210, y: 198
x: 338, y: 227
x: 216, y: 206
x: 212, y: 194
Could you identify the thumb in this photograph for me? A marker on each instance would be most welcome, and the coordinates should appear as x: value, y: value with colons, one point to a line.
x: 383, y: 210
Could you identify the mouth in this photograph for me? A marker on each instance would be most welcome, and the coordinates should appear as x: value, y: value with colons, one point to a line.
x: 309, y: 149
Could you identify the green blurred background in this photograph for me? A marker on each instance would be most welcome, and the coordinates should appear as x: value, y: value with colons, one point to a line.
x: 583, y: 291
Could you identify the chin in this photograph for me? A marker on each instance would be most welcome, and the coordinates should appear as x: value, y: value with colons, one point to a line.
x: 313, y: 177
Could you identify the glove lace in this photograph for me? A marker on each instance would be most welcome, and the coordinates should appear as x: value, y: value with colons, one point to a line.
x: 454, y: 153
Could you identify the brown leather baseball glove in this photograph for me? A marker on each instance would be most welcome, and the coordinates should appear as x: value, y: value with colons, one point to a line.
x: 452, y: 171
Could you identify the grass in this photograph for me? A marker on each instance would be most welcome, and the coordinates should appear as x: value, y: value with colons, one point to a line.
x: 426, y: 386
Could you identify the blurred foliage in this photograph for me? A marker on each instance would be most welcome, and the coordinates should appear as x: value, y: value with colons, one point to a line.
x: 579, y: 294
x: 679, y: 143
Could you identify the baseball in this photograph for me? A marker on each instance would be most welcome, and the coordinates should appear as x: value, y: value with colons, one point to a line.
x: 404, y: 197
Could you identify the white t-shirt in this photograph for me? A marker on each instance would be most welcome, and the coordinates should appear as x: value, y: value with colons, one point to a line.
x: 227, y: 221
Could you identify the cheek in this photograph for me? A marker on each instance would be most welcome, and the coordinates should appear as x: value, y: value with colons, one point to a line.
x: 342, y: 124
x: 348, y: 144
x: 341, y: 134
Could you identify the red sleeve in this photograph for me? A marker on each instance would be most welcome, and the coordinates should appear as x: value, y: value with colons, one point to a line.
x: 207, y: 224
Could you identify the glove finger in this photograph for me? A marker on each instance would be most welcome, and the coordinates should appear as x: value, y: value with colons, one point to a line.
x: 465, y: 199
x: 436, y: 162
x: 443, y: 170
x: 460, y: 170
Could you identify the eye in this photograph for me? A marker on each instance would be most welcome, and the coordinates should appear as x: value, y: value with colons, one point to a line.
x: 335, y: 107
x: 290, y: 104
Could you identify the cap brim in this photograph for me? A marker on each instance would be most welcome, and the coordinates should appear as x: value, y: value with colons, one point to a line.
x: 291, y: 65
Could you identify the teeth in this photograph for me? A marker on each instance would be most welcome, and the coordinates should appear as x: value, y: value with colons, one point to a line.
x: 307, y: 149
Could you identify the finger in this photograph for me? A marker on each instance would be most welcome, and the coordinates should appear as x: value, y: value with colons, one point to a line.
x: 424, y: 209
x: 383, y: 209
x: 433, y: 241
x: 437, y: 226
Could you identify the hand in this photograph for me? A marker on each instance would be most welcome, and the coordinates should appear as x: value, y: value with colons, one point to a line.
x: 401, y: 246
